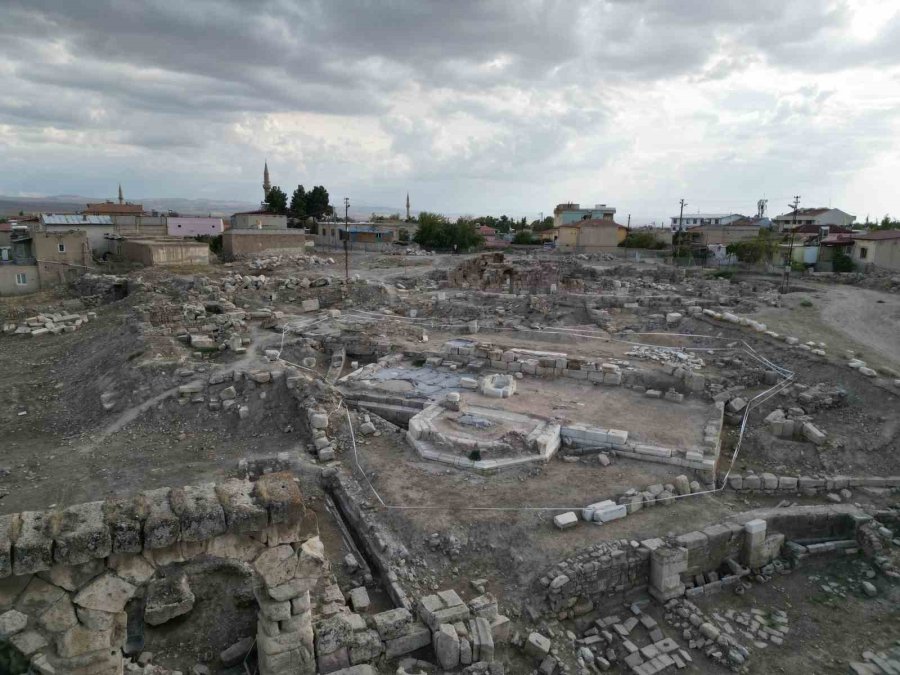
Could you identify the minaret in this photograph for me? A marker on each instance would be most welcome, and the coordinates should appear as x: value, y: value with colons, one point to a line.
x: 121, y: 199
x: 266, y: 184
x: 407, y: 206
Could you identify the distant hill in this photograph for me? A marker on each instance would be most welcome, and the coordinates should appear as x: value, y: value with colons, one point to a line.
x: 10, y: 206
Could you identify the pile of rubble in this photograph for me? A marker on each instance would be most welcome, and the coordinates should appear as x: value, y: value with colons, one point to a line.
x: 719, y: 638
x: 49, y: 324
x: 297, y: 259
x: 665, y: 355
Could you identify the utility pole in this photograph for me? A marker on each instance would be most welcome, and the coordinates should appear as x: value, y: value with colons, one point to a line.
x: 346, y: 242
x: 790, y: 261
x: 678, y: 235
x: 629, y: 222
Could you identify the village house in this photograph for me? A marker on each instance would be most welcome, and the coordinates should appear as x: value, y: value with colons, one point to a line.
x: 813, y: 216
x: 880, y: 248
x: 570, y: 212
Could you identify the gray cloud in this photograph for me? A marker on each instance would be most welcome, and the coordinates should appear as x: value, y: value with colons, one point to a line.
x: 543, y: 97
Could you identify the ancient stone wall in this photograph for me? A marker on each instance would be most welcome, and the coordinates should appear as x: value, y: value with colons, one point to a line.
x: 67, y: 575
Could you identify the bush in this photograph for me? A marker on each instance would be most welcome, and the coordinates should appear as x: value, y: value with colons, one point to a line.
x: 215, y: 243
x: 475, y: 455
x: 526, y: 238
x: 842, y: 262
x: 641, y: 239
x: 437, y: 233
x: 806, y: 303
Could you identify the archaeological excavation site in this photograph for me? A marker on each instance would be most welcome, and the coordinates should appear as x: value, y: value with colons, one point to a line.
x: 500, y: 463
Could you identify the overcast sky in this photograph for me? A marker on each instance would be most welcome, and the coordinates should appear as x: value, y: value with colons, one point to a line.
x: 471, y: 107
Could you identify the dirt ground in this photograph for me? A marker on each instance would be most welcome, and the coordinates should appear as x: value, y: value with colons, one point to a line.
x: 59, y: 447
x: 845, y: 318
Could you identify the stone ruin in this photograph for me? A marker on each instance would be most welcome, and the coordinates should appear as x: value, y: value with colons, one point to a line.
x: 493, y: 272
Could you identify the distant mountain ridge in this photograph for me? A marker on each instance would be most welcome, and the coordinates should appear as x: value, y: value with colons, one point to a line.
x: 10, y: 206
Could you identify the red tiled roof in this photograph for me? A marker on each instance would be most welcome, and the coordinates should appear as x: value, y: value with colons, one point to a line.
x: 878, y: 235
x: 814, y: 229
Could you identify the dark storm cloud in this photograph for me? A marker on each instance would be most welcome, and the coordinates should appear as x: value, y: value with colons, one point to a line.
x: 456, y: 89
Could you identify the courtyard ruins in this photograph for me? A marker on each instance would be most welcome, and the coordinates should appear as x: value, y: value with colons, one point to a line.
x: 479, y: 464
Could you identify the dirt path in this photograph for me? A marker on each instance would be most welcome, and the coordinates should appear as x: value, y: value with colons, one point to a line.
x: 869, y: 317
x: 844, y: 317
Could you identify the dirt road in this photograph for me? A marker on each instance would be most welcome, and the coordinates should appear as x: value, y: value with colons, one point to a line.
x: 871, y: 318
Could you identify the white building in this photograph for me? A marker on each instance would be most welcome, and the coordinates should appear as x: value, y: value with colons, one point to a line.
x: 813, y: 216
x: 689, y: 220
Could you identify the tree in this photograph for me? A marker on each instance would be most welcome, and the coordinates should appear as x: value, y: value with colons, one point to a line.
x: 436, y: 232
x: 276, y: 200
x: 524, y: 237
x: 298, y: 203
x: 317, y: 202
x: 641, y: 239
x: 542, y: 225
x: 759, y: 249
x: 888, y: 223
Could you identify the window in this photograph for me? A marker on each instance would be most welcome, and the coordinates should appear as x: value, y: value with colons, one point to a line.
x: 863, y: 252
x: 21, y: 279
x: 61, y: 247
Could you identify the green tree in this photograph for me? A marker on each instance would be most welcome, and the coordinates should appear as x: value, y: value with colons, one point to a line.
x: 888, y: 223
x: 759, y: 249
x: 317, y: 202
x: 298, y: 203
x: 542, y: 225
x: 276, y: 200
x: 641, y: 239
x: 436, y: 232
x: 524, y: 237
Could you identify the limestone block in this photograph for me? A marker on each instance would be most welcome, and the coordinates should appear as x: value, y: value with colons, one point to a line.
x: 537, y: 645
x: 59, y: 616
x: 415, y: 636
x: 73, y: 577
x: 500, y: 628
x: 610, y: 513
x: 769, y: 481
x: 242, y: 512
x: 79, y: 640
x: 83, y: 535
x: 392, y: 623
x: 200, y: 514
x: 280, y: 495
x: 161, y: 527
x: 481, y: 639
x: 38, y: 596
x: 33, y: 551
x: 788, y: 483
x: 234, y: 546
x: 446, y: 646
x: 7, y: 525
x: 751, y: 483
x: 124, y: 522
x: 366, y: 646
x: 484, y: 606
x: 12, y: 622
x: 167, y: 598
x: 587, y: 513
x: 28, y: 642
x: 276, y: 565
x: 682, y: 485
x: 564, y: 521
x: 271, y: 609
x: 107, y: 593
x: 359, y: 599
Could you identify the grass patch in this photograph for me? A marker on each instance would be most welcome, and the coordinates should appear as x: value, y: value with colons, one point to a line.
x: 806, y: 303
